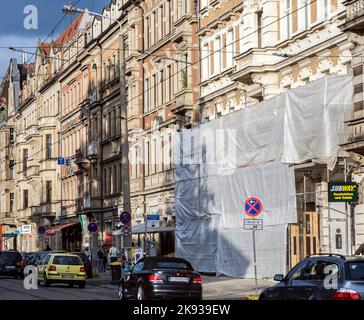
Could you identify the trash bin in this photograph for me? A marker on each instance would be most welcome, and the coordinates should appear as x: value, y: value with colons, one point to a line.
x: 115, y: 272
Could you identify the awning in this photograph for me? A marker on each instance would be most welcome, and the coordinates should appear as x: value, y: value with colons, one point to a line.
x: 53, y: 230
x: 140, y: 228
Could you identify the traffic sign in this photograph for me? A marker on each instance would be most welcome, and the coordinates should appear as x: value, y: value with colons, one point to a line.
x: 125, y: 231
x: 153, y: 220
x: 9, y: 235
x: 253, y: 207
x: 41, y: 230
x: 60, y: 161
x: 92, y: 227
x: 26, y: 229
x: 125, y: 217
x: 253, y: 224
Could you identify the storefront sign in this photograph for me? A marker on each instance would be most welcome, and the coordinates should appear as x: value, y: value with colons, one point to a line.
x: 343, y: 192
x: 26, y: 229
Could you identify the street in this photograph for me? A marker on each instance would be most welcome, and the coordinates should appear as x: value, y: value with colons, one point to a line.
x: 214, y: 288
x: 11, y: 289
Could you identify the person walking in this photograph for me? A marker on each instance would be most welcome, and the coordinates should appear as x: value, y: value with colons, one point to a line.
x: 113, y: 254
x: 101, y: 255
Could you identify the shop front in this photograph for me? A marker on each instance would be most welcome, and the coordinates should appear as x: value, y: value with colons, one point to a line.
x: 65, y: 237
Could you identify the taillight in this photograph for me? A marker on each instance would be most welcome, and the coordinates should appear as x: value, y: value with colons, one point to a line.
x: 346, y: 294
x: 52, y: 268
x: 155, y: 278
x: 82, y: 269
x: 197, y: 279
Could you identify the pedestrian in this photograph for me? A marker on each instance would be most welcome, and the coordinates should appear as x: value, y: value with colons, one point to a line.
x: 101, y: 255
x: 48, y: 248
x: 113, y: 254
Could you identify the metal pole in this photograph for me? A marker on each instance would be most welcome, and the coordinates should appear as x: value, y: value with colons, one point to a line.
x: 127, y: 240
x: 346, y: 209
x: 328, y: 208
x: 255, y: 264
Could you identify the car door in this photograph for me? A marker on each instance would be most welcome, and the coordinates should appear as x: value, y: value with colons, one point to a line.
x: 131, y: 283
x: 309, y: 283
x: 295, y: 280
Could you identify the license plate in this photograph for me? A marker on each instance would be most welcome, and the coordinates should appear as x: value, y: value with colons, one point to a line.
x: 68, y: 276
x: 179, y: 279
x: 10, y: 267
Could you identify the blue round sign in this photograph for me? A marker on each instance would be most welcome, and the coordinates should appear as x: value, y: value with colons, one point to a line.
x: 253, y: 206
x: 92, y: 227
x: 125, y: 217
x: 41, y: 230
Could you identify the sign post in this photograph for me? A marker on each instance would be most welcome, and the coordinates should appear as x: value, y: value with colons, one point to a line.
x: 253, y: 208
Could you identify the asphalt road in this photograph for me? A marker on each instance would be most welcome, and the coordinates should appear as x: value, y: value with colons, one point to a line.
x: 11, y: 289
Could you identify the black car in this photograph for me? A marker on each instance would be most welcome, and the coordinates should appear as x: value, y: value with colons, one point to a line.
x: 320, y: 277
x: 86, y: 262
x: 161, y: 278
x: 11, y: 264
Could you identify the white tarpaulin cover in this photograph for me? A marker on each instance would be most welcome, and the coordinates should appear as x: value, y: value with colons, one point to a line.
x: 247, y: 153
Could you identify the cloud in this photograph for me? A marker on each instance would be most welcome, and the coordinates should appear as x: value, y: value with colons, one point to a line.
x: 27, y: 43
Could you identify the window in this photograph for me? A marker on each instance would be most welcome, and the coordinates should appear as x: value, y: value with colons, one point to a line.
x: 294, y: 246
x: 308, y: 246
x: 11, y: 169
x: 229, y: 48
x: 169, y: 78
x: 25, y: 160
x: 161, y: 81
x: 339, y: 241
x: 138, y: 267
x: 146, y: 96
x: 205, y: 61
x: 322, y: 9
x: 48, y: 191
x: 285, y: 21
x: 11, y: 196
x: 217, y: 55
x: 304, y: 14
x: 48, y: 146
x: 11, y: 136
x: 154, y: 91
x: 25, y: 199
x: 354, y: 271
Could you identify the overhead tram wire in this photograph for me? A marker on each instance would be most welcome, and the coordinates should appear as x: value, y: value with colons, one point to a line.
x: 199, y: 60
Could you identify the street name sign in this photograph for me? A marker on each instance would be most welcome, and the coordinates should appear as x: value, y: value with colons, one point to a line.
x: 253, y: 224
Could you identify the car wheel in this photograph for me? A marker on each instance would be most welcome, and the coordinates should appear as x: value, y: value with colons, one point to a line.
x: 140, y: 293
x: 46, y: 281
x: 82, y: 285
x: 121, y: 292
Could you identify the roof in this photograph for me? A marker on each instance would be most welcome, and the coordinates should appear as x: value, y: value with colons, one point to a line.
x: 46, y: 46
x: 70, y: 32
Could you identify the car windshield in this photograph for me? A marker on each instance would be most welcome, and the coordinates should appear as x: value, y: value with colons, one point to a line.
x: 67, y: 260
x: 178, y: 265
x: 8, y: 256
x: 355, y: 270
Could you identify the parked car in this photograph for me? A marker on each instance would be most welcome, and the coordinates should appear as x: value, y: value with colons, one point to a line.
x: 161, y: 278
x: 86, y: 262
x: 62, y: 268
x: 320, y: 277
x: 11, y: 264
x: 38, y: 257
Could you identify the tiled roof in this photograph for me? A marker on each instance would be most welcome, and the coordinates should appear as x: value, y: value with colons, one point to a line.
x: 70, y: 31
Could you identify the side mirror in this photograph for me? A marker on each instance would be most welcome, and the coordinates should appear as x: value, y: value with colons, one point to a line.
x: 278, y: 277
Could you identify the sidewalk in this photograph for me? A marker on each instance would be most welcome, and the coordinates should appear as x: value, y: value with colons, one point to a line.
x: 214, y: 288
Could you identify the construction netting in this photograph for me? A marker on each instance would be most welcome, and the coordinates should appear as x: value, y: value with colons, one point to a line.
x: 249, y: 153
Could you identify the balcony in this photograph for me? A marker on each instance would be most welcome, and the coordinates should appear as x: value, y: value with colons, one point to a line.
x: 355, y: 144
x: 354, y: 15
x: 81, y: 160
x: 92, y: 150
x: 48, y: 210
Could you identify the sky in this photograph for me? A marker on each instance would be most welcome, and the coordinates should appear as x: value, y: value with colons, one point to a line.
x: 18, y: 29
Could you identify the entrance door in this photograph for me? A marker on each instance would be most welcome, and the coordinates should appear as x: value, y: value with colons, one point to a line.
x: 304, y: 237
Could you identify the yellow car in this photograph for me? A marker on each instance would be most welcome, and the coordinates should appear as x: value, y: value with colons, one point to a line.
x: 62, y: 268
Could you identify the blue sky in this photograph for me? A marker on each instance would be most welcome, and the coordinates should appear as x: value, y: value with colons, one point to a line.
x: 12, y: 30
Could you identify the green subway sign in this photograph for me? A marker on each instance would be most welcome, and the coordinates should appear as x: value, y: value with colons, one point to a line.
x: 9, y: 235
x: 343, y: 192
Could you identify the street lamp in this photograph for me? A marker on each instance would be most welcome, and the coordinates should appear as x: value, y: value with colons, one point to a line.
x: 124, y: 119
